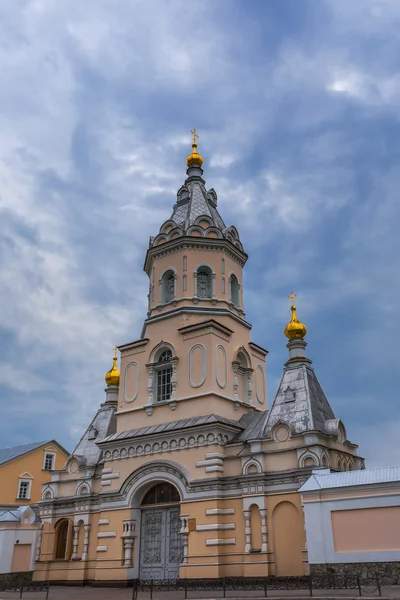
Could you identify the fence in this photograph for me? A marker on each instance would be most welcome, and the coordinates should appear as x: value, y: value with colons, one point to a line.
x: 265, y: 584
x: 15, y: 583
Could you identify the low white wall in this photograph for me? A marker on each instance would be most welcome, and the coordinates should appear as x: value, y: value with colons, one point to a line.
x: 318, y: 522
x: 8, y: 538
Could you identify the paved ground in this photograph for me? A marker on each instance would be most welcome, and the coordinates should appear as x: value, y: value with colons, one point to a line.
x: 95, y: 593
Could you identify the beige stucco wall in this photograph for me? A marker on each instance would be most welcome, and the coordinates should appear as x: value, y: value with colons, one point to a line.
x: 31, y: 464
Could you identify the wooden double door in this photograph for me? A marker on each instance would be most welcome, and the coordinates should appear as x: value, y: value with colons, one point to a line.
x: 161, y: 544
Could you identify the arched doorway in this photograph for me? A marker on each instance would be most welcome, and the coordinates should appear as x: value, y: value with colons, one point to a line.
x: 161, y: 550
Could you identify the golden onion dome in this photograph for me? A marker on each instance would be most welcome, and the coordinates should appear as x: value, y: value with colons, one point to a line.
x: 112, y: 376
x: 295, y: 329
x: 195, y: 158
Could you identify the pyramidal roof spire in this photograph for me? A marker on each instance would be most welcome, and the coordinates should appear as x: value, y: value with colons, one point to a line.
x: 195, y: 212
x: 300, y: 401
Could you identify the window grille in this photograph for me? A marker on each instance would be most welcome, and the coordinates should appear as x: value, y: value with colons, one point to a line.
x: 48, y: 462
x: 204, y: 283
x: 23, y: 491
x: 164, y: 375
x: 234, y: 290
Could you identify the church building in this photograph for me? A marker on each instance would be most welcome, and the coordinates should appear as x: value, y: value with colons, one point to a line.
x: 184, y: 471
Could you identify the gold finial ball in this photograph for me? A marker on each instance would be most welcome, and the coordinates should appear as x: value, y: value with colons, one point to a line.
x: 112, y: 376
x: 295, y: 329
x: 195, y: 158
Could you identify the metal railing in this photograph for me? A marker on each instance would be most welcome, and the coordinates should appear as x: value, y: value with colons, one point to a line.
x: 266, y: 584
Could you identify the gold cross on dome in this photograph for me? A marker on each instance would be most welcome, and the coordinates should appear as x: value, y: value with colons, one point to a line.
x: 292, y: 297
x: 115, y: 349
x: 195, y: 136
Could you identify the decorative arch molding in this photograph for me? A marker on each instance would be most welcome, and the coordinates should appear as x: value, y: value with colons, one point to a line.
x: 311, y: 455
x: 202, y: 218
x: 140, y: 481
x: 192, y: 360
x: 252, y: 462
x: 197, y: 229
x: 341, y: 434
x: 242, y: 350
x: 48, y: 494
x: 221, y: 366
x: 83, y: 489
x: 168, y: 226
x: 134, y: 367
x: 260, y: 384
x: 280, y: 432
x: 160, y: 346
x: 324, y: 459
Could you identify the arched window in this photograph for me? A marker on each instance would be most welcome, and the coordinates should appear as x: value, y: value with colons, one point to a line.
x: 234, y: 290
x: 163, y: 376
x: 167, y: 287
x: 204, y: 278
x: 161, y: 493
x: 61, y: 540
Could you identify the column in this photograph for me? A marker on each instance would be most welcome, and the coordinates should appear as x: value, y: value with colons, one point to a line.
x: 149, y: 405
x: 264, y: 530
x: 195, y: 285
x: 174, y: 364
x: 213, y: 296
x: 75, y: 543
x: 236, y: 365
x: 185, y: 533
x: 86, y: 542
x: 249, y: 388
x: 128, y: 545
x: 39, y: 544
x: 247, y: 530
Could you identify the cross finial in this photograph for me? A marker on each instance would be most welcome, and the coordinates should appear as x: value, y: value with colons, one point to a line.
x: 195, y: 136
x: 115, y: 350
x: 292, y: 297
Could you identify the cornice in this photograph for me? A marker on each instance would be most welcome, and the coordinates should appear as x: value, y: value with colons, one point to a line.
x: 195, y: 243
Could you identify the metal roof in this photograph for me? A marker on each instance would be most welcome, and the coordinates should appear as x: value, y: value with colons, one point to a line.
x: 175, y: 425
x: 325, y: 480
x: 8, y: 454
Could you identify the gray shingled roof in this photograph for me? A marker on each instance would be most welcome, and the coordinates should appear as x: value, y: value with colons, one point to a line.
x: 253, y: 424
x: 8, y: 454
x: 175, y: 425
x: 196, y: 204
x: 326, y: 480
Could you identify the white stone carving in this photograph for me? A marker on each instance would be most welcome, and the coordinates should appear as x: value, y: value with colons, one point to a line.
x: 221, y: 542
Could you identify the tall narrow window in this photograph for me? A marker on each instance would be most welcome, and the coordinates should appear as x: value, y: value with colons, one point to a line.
x: 184, y: 263
x: 234, y: 290
x: 223, y: 266
x: 48, y: 462
x: 168, y: 287
x: 164, y: 375
x: 61, y: 540
x: 204, y: 282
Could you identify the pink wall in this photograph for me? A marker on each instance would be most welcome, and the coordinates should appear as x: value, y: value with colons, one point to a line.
x: 366, y: 529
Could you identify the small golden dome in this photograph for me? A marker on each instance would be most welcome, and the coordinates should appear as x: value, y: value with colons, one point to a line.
x: 295, y: 329
x: 112, y: 376
x: 195, y: 158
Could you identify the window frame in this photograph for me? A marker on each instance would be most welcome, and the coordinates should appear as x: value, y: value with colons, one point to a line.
x: 161, y: 367
x: 24, y: 480
x: 169, y: 274
x: 211, y: 282
x: 53, y: 455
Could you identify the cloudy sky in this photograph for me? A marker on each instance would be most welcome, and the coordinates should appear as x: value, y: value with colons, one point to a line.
x: 297, y: 107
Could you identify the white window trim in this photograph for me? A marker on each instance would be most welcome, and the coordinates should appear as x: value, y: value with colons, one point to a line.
x: 53, y: 454
x: 28, y: 494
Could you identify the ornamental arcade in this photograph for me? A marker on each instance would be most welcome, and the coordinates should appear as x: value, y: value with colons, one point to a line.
x: 184, y: 471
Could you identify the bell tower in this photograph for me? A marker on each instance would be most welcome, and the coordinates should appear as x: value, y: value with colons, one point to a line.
x: 195, y: 356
